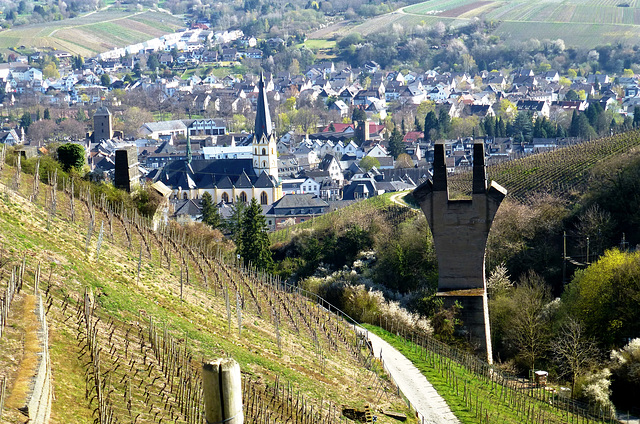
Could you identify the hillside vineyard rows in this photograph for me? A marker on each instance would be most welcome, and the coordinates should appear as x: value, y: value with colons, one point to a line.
x: 559, y: 171
x: 136, y: 367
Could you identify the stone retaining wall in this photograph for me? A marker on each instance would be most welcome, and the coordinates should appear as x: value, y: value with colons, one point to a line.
x: 39, y: 400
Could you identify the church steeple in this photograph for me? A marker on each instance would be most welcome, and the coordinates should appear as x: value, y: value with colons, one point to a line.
x: 263, y: 117
x: 265, y: 156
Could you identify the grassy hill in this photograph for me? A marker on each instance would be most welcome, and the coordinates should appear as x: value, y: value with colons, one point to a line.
x: 137, y: 316
x: 579, y: 23
x: 92, y: 33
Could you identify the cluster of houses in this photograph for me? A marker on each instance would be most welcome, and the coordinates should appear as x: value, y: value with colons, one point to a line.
x: 296, y: 176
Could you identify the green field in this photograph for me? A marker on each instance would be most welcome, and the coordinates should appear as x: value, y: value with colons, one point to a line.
x: 92, y: 33
x: 579, y: 23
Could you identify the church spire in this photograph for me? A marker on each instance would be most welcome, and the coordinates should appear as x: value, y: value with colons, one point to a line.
x: 263, y: 117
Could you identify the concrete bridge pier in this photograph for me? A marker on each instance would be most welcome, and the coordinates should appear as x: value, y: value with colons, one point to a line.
x: 460, y: 229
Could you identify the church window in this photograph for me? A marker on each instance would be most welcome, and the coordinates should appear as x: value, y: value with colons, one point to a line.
x: 184, y: 196
x: 264, y: 164
x: 264, y: 152
x: 225, y: 197
x: 243, y: 197
x: 263, y: 198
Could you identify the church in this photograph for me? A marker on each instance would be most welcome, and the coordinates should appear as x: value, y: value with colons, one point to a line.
x: 231, y: 180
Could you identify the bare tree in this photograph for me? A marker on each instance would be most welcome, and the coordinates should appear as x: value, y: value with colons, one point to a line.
x: 42, y: 130
x: 573, y: 351
x: 72, y: 129
x: 527, y: 327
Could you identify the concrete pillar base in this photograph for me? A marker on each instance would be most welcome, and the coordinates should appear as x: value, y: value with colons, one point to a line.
x: 474, y: 316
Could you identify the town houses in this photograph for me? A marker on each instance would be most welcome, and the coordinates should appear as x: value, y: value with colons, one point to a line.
x: 319, y: 159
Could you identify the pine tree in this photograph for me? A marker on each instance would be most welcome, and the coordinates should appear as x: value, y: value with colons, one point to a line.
x: 636, y: 117
x: 210, y: 215
x: 234, y: 223
x: 444, y: 122
x: 396, y: 147
x: 47, y: 114
x: 255, y: 244
x: 573, y: 127
x: 430, y: 123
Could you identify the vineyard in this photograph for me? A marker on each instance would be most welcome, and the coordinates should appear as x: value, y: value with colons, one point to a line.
x: 563, y: 171
x: 479, y: 392
x: 134, y: 312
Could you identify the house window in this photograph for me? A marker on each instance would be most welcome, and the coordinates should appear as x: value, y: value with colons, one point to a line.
x: 243, y: 197
x: 263, y: 198
x: 225, y: 197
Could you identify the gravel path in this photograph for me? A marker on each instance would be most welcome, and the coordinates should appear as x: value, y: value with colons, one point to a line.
x: 428, y: 403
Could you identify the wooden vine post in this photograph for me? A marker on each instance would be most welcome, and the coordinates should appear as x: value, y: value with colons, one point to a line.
x: 222, y: 390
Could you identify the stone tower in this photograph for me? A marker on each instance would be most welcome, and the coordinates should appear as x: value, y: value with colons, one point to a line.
x: 265, y: 156
x: 460, y: 229
x: 127, y: 175
x: 102, y: 125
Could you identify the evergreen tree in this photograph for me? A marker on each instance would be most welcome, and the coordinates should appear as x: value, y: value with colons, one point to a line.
x: 47, y: 114
x: 573, y: 127
x: 71, y: 155
x: 522, y: 127
x: 444, y: 123
x: 636, y: 117
x: 489, y: 126
x: 430, y: 123
x: 233, y: 224
x: 25, y: 120
x: 396, y: 147
x: 255, y: 243
x: 210, y: 215
x: 417, y: 124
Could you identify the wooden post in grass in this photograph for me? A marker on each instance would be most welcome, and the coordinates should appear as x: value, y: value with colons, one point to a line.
x: 222, y: 390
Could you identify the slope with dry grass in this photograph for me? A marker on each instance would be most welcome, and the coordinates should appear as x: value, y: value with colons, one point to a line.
x: 179, y: 294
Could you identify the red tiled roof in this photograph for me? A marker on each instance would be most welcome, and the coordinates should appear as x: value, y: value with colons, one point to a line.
x: 413, y: 136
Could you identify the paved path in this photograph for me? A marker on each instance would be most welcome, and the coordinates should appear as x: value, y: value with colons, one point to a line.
x: 413, y: 384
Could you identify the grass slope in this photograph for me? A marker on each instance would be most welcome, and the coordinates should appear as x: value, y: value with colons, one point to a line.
x: 92, y: 33
x: 327, y: 374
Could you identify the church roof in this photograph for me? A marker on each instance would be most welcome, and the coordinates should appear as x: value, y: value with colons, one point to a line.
x: 225, y: 183
x: 206, y: 173
x: 243, y: 181
x: 263, y: 125
x: 264, y: 181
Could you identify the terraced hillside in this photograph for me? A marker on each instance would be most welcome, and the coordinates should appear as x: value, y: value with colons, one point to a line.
x: 133, y: 312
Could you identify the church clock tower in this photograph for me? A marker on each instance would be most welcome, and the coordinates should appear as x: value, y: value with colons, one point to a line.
x: 265, y: 156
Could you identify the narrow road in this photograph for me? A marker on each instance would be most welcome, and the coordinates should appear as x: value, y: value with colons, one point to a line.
x: 397, y: 198
x: 431, y: 407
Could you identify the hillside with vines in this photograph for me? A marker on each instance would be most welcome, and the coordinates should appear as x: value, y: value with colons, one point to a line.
x: 134, y: 312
